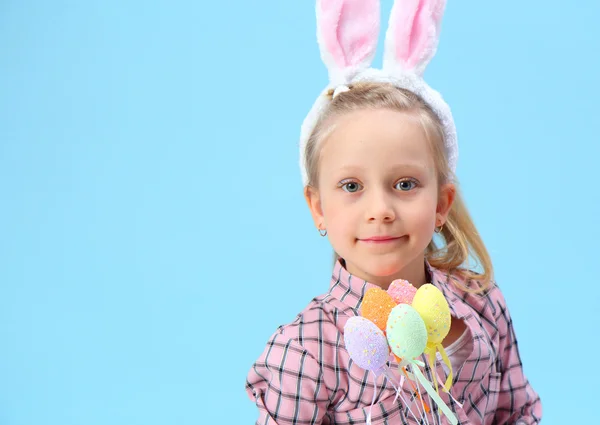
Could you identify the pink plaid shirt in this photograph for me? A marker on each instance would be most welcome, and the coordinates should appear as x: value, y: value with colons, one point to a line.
x: 305, y: 375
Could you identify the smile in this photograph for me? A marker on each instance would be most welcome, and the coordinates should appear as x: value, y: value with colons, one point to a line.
x: 379, y: 240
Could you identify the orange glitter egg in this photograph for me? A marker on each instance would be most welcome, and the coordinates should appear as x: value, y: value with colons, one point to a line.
x: 376, y: 307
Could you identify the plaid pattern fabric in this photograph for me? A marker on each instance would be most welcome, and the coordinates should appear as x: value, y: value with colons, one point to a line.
x: 306, y: 376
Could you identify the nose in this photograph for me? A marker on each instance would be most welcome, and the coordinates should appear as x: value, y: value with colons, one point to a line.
x: 380, y: 206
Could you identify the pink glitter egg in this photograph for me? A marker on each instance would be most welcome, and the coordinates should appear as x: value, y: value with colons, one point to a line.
x: 402, y: 292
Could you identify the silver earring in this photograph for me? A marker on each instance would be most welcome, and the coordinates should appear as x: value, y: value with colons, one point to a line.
x: 323, y: 232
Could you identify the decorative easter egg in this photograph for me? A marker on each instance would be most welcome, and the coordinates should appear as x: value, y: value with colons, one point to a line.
x: 401, y: 291
x: 376, y: 307
x: 406, y: 332
x: 435, y: 312
x: 365, y: 343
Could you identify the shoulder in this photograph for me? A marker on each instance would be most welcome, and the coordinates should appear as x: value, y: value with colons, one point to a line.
x: 318, y: 327
x: 489, y: 302
x: 312, y: 345
x: 287, y: 365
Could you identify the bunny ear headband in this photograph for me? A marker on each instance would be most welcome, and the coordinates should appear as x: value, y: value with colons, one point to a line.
x: 347, y: 32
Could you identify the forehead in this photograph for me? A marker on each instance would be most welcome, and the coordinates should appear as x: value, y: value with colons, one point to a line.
x: 376, y: 139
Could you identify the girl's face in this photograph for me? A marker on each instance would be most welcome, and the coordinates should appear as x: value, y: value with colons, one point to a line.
x: 378, y: 195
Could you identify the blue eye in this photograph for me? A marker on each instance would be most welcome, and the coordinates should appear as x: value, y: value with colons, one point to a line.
x: 351, y: 187
x: 406, y: 185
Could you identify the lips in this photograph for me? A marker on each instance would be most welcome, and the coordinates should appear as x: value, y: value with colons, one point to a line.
x: 380, y: 239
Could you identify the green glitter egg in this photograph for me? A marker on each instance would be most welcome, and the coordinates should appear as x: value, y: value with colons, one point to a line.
x: 406, y: 332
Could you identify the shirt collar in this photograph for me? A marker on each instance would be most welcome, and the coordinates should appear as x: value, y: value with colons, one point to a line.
x: 351, y: 289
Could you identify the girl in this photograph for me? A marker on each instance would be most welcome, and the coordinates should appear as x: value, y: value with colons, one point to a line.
x: 378, y: 156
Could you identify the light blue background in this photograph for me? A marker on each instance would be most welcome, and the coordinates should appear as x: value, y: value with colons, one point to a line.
x: 153, y: 230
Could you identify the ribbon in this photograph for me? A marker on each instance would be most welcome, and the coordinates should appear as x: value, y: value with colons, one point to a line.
x: 416, y: 392
x: 373, y: 401
x: 430, y: 350
x: 398, y: 390
x: 417, y: 375
x: 450, y: 394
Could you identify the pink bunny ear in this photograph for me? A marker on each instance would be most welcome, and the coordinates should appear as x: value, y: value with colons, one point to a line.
x: 413, y: 34
x: 347, y: 32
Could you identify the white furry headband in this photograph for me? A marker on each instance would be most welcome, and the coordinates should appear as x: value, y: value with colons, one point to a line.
x: 347, y: 32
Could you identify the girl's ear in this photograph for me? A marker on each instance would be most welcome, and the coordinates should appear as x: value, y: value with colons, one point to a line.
x: 313, y: 199
x: 445, y: 201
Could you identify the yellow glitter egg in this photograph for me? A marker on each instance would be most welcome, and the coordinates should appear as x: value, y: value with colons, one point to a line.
x: 435, y: 312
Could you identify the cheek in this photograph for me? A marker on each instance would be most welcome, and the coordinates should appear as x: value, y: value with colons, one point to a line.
x: 338, y: 216
x: 335, y: 215
x: 422, y: 214
x: 335, y: 206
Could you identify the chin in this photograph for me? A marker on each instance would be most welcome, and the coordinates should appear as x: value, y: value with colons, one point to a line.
x: 384, y: 270
x: 382, y: 267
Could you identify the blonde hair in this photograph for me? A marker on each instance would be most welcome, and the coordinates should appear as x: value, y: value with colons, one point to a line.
x: 461, y: 238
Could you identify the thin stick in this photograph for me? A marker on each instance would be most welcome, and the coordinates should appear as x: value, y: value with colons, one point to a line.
x: 399, y: 394
x: 420, y: 396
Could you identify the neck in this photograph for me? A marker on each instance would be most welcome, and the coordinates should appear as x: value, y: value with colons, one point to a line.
x: 413, y: 272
